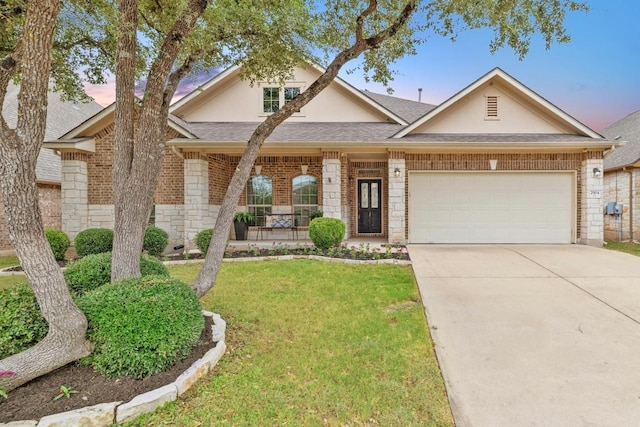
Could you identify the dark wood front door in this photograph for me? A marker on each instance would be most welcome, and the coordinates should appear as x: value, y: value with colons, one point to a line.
x: 370, y: 206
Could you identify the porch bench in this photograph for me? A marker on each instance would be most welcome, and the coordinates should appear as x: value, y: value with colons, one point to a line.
x: 278, y: 222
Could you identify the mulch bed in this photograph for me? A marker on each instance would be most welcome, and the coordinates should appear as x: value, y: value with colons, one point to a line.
x: 34, y: 400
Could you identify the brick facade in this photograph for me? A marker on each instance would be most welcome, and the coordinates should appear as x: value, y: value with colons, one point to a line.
x: 50, y: 211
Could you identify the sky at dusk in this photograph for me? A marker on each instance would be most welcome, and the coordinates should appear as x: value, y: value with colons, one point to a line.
x: 595, y: 78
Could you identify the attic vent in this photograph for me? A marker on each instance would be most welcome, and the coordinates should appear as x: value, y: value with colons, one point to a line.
x: 492, y: 107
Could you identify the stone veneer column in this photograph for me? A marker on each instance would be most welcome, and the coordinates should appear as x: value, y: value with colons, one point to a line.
x: 74, y: 193
x: 396, y: 210
x: 196, y: 196
x: 591, y: 218
x: 331, y: 185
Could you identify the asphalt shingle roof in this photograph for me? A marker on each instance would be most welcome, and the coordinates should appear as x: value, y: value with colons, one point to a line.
x: 296, y: 132
x: 495, y: 137
x: 628, y: 128
x: 61, y: 116
x: 407, y: 109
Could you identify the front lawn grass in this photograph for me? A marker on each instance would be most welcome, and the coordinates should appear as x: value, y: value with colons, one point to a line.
x: 314, y: 343
x: 628, y: 247
x: 8, y: 261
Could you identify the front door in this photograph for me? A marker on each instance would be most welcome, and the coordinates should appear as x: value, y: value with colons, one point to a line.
x: 370, y: 206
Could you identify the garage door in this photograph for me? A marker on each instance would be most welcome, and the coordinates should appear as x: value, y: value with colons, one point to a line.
x: 491, y: 207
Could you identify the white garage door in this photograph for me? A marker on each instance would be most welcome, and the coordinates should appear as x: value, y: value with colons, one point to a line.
x: 491, y: 207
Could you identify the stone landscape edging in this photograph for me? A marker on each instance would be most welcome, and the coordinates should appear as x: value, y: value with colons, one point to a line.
x: 105, y: 414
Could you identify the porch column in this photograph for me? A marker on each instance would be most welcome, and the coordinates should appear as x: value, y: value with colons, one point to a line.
x: 591, y: 218
x: 396, y: 211
x: 74, y: 193
x: 196, y: 196
x: 331, y: 185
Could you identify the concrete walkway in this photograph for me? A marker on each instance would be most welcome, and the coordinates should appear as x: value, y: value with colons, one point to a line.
x: 534, y: 335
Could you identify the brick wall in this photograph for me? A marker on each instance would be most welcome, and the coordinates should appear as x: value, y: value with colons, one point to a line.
x: 281, y: 170
x: 100, y: 172
x: 49, y: 198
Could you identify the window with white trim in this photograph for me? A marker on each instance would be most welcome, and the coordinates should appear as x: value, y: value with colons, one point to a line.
x: 259, y: 198
x: 273, y: 97
x: 305, y: 198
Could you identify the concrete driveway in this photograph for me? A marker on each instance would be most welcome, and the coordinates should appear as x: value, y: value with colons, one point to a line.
x: 534, y: 335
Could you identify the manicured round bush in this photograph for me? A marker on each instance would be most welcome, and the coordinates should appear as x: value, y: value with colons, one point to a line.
x: 21, y: 324
x: 94, y: 241
x: 93, y: 271
x: 59, y: 242
x: 326, y: 232
x: 203, y: 239
x: 141, y: 326
x: 155, y: 240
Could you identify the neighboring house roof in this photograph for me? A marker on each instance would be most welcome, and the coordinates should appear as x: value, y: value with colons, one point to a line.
x: 515, y: 85
x: 61, y: 116
x: 405, y: 108
x: 628, y: 130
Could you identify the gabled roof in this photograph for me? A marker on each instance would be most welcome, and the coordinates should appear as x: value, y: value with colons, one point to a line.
x: 498, y: 73
x: 626, y: 129
x: 229, y: 72
x: 61, y: 115
x: 105, y: 117
x: 405, y: 108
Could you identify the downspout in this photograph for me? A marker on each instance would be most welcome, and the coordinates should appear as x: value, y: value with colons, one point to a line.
x: 177, y: 153
x: 630, y: 172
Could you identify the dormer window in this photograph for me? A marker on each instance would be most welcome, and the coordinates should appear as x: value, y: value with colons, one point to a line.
x: 274, y: 97
x: 491, y: 108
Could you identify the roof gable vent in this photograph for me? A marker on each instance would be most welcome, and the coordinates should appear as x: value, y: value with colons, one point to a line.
x: 491, y: 108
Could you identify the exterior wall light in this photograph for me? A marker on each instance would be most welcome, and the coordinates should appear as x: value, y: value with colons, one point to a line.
x: 597, y: 172
x: 396, y: 172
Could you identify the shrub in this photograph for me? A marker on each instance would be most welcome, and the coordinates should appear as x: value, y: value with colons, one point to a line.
x: 94, y: 241
x: 315, y: 214
x: 21, y: 324
x: 203, y: 239
x: 94, y: 271
x: 141, y: 326
x: 326, y: 232
x: 155, y: 240
x: 59, y: 242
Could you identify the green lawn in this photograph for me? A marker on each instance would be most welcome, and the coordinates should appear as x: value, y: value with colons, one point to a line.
x: 628, y: 247
x: 9, y: 280
x: 313, y: 343
x: 8, y: 261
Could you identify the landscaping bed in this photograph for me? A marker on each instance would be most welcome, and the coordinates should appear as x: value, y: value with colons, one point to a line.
x: 34, y: 400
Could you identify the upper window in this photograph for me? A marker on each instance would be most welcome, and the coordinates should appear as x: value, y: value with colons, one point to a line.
x: 305, y: 198
x: 273, y: 97
x: 259, y: 198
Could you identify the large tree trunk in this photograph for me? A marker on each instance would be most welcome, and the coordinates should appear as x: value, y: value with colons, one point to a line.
x: 138, y: 153
x: 206, y: 279
x: 19, y: 150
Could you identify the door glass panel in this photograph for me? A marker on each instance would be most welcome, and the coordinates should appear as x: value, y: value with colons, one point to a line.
x: 374, y: 195
x: 364, y: 195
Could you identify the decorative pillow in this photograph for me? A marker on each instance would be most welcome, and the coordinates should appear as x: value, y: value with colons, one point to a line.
x: 268, y: 221
x: 281, y: 223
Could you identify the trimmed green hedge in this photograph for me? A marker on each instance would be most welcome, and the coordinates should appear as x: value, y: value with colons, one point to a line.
x: 21, y: 324
x: 326, y: 232
x: 93, y: 271
x: 59, y: 242
x: 141, y: 326
x: 155, y: 240
x: 93, y: 241
x: 203, y: 239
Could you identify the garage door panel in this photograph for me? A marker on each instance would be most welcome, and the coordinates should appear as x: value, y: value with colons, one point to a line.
x: 496, y: 207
